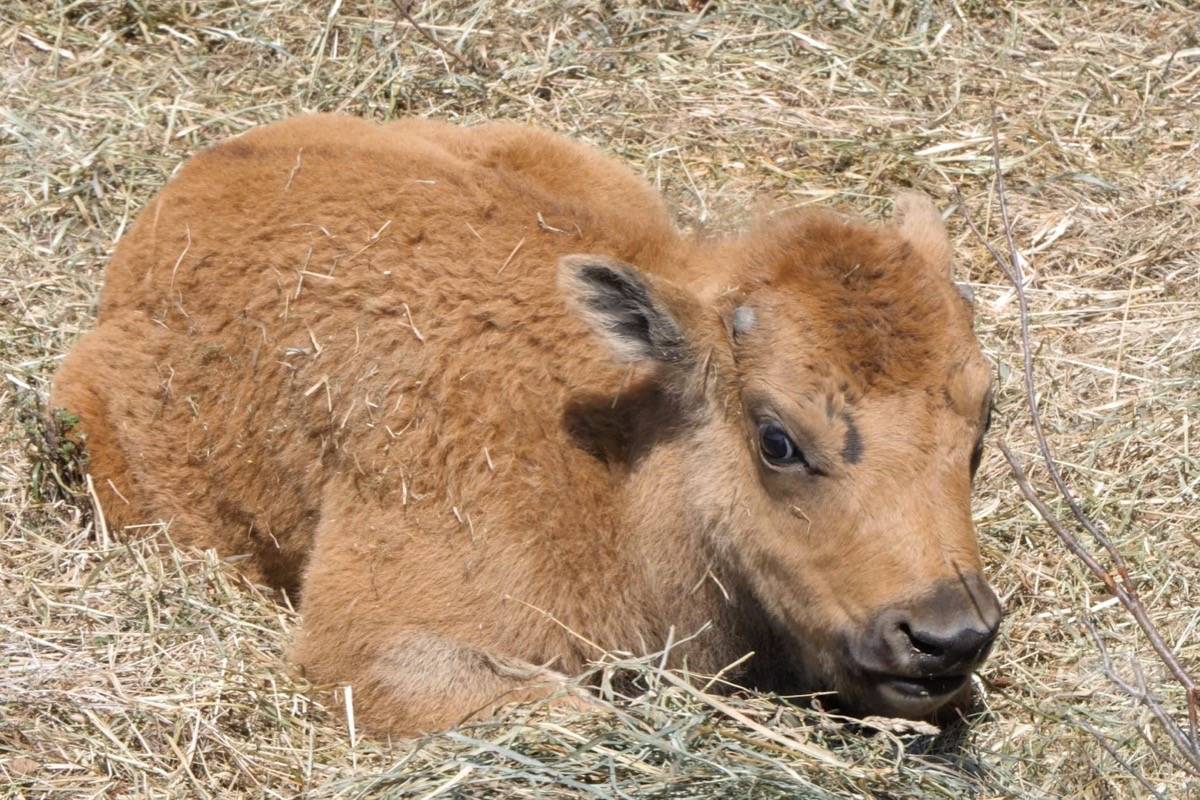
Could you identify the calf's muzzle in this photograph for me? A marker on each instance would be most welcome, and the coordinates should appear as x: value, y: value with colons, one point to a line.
x: 920, y: 653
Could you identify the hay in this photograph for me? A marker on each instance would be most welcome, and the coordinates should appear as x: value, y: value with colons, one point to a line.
x: 128, y: 670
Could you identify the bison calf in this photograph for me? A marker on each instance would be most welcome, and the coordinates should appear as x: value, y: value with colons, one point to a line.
x: 472, y: 396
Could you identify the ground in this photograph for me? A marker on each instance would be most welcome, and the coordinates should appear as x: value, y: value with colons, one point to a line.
x: 127, y: 669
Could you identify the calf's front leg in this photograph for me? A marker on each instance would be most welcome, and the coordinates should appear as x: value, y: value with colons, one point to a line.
x: 418, y: 682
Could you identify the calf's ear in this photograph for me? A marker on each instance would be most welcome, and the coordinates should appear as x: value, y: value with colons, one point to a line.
x: 921, y: 226
x: 636, y: 316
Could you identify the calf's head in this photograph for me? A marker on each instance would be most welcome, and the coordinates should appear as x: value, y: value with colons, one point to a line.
x: 832, y: 405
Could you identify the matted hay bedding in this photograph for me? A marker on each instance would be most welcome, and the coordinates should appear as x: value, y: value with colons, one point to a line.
x: 127, y: 669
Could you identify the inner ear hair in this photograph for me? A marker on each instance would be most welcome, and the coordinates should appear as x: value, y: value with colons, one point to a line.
x: 621, y: 305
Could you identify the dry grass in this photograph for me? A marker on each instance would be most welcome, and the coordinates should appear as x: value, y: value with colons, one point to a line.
x: 127, y: 670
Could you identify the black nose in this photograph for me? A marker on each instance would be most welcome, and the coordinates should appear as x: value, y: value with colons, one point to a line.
x: 949, y: 630
x: 940, y: 650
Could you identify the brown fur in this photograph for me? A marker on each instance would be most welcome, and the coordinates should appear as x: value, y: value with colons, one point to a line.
x: 342, y: 349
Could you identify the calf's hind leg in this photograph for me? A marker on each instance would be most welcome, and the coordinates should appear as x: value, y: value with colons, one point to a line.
x: 98, y: 384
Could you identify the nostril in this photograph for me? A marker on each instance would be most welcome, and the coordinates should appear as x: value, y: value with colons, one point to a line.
x: 942, y: 648
x: 922, y: 644
x: 948, y: 648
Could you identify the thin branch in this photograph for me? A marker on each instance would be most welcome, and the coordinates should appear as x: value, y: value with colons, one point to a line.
x: 1141, y: 694
x: 1112, y: 751
x: 403, y: 7
x: 1017, y: 276
x: 1124, y: 589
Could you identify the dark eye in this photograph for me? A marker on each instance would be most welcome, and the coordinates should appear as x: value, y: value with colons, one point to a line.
x: 777, y: 447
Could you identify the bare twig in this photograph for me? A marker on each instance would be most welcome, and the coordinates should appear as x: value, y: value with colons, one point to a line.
x: 1016, y: 275
x: 403, y: 7
x: 1108, y: 748
x: 1123, y: 589
x: 1178, y: 737
x: 1140, y: 694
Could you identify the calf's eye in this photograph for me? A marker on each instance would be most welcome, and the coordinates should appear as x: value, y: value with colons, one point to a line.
x: 777, y: 447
